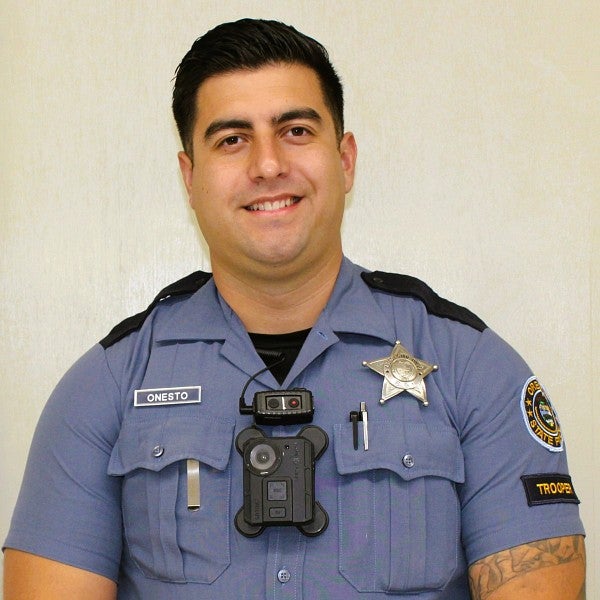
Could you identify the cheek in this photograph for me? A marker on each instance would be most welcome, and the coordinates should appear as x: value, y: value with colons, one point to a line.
x: 208, y: 218
x: 324, y: 171
x: 202, y: 184
x: 204, y: 193
x: 222, y: 181
x: 334, y: 185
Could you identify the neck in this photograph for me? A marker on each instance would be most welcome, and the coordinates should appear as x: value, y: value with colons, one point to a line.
x: 281, y: 302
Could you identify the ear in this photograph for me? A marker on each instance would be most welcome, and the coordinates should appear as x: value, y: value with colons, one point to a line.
x: 348, y: 153
x: 187, y: 170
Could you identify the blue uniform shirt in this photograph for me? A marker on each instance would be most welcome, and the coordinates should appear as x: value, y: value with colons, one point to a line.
x: 440, y: 486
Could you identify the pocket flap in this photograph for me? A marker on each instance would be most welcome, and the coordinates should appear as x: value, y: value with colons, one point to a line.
x: 408, y: 449
x: 153, y: 445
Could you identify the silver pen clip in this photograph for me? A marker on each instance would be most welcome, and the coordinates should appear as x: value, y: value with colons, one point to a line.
x: 193, y: 484
x: 364, y: 417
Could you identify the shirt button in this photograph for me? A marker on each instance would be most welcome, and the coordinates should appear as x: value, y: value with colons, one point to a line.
x: 283, y: 576
x: 408, y: 460
x: 158, y: 451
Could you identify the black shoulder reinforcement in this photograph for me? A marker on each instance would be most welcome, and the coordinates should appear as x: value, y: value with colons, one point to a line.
x: 405, y: 285
x: 188, y: 285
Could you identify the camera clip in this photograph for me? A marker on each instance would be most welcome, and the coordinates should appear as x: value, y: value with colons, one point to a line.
x: 279, y: 481
x: 278, y: 407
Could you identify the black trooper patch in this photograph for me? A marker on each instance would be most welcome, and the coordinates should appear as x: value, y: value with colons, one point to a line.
x: 540, y: 419
x: 549, y: 488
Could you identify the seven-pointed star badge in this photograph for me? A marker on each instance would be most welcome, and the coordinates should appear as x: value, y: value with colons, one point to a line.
x: 402, y: 372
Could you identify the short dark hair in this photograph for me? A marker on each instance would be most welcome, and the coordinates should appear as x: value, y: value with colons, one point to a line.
x: 250, y: 44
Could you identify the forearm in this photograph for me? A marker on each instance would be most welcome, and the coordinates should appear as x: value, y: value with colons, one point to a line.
x: 551, y: 569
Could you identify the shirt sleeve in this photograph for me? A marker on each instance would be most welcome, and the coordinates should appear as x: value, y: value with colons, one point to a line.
x: 68, y: 508
x: 499, y: 449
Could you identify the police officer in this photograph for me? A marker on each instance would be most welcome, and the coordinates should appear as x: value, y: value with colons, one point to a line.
x: 441, y: 472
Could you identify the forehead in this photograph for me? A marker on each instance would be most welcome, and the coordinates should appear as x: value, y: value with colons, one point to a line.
x: 254, y: 93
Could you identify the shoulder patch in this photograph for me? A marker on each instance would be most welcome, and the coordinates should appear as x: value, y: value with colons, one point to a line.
x: 539, y: 416
x: 187, y: 285
x: 405, y: 285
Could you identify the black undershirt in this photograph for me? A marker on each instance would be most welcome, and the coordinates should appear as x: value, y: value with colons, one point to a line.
x: 271, y: 347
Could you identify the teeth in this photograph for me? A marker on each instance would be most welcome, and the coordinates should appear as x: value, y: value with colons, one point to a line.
x: 275, y: 205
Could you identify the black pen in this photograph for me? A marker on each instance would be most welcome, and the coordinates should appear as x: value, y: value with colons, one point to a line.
x: 354, y: 419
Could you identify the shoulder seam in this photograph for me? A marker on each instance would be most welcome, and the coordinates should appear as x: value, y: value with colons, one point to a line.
x: 187, y: 285
x: 405, y: 285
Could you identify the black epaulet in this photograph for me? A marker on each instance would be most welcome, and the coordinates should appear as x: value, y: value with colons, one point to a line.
x: 188, y: 285
x: 405, y: 285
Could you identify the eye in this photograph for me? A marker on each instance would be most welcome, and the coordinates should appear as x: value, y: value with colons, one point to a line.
x: 298, y: 131
x: 231, y: 140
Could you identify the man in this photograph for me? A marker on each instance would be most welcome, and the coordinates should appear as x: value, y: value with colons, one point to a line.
x: 455, y: 480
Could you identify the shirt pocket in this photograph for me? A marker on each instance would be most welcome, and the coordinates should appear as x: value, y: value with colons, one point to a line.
x: 399, y: 513
x: 166, y: 540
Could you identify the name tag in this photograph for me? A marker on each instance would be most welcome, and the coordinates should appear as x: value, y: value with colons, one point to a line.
x: 167, y: 396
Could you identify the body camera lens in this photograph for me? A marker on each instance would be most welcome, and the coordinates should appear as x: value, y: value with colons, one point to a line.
x: 263, y: 458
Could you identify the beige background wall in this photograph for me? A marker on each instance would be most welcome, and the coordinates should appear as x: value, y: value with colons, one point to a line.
x: 477, y: 124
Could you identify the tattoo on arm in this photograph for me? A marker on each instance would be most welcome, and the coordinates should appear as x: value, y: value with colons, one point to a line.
x: 492, y: 572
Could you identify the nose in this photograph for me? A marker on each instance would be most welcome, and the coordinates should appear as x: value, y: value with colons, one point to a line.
x: 267, y: 159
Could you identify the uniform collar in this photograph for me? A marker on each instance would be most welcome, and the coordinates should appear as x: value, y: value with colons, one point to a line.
x: 203, y: 316
x: 352, y: 309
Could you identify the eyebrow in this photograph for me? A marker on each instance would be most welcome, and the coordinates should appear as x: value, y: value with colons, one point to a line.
x: 289, y: 115
x: 297, y: 113
x: 222, y: 124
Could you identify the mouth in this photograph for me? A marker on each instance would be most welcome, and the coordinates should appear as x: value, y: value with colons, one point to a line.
x: 272, y: 205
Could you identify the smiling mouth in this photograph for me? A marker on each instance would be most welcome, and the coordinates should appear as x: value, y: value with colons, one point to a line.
x: 271, y: 205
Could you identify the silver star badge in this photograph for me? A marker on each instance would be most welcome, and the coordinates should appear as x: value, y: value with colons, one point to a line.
x: 402, y: 372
